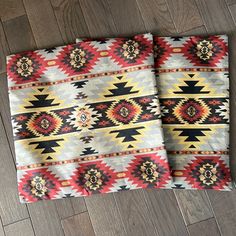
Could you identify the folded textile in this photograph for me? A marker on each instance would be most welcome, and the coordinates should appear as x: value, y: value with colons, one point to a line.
x: 193, y: 79
x: 86, y: 119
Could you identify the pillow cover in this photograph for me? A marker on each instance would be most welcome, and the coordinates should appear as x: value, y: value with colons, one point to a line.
x: 86, y: 119
x: 192, y: 74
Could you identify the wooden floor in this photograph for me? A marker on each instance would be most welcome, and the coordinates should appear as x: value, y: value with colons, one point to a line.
x: 31, y: 24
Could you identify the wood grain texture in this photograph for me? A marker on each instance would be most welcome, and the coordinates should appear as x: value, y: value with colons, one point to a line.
x: 156, y: 17
x: 19, y: 34
x: 98, y: 18
x: 20, y: 228
x: 10, y: 208
x: 224, y: 206
x: 135, y: 213
x: 230, y: 2
x: 232, y: 9
x: 78, y: 205
x: 216, y: 16
x: 104, y: 215
x: 195, y: 205
x: 5, y: 111
x: 70, y: 19
x: 1, y: 229
x: 127, y: 22
x: 232, y: 67
x: 185, y: 14
x: 53, y: 22
x: 4, y: 49
x: 165, y: 213
x: 45, y: 218
x: 64, y: 208
x: 78, y: 225
x: 43, y: 23
x: 10, y: 9
x: 207, y: 227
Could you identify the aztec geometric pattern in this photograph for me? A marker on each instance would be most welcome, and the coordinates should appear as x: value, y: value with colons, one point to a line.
x: 192, y: 75
x: 86, y: 119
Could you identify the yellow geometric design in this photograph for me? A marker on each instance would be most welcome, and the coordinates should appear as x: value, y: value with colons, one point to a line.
x: 189, y: 137
x: 128, y: 136
x: 121, y: 86
x: 206, y: 90
x: 40, y: 99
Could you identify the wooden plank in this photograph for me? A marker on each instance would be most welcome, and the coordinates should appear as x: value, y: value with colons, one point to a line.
x: 101, y: 23
x: 10, y: 208
x: 78, y: 225
x: 20, y: 228
x: 204, y: 228
x: 10, y: 9
x: 45, y: 219
x: 104, y: 215
x: 43, y: 23
x: 185, y: 14
x: 230, y: 2
x: 19, y: 34
x: 232, y: 9
x: 216, y: 16
x: 70, y: 19
x: 195, y: 205
x: 196, y: 31
x: 20, y: 38
x: 232, y: 70
x: 1, y: 229
x: 64, y: 208
x: 127, y: 17
x: 224, y: 206
x: 5, y: 111
x: 78, y: 204
x: 165, y: 213
x: 134, y: 213
x: 3, y: 49
x: 156, y: 16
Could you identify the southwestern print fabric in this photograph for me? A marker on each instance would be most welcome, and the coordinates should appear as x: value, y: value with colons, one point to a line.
x: 86, y: 119
x: 192, y: 74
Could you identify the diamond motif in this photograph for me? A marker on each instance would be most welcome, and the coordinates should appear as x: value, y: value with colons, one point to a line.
x: 77, y: 58
x: 124, y: 112
x: 38, y: 185
x: 44, y: 123
x: 127, y: 52
x: 25, y: 67
x: 208, y: 172
x: 93, y: 177
x: 205, y: 51
x: 191, y: 111
x: 149, y: 171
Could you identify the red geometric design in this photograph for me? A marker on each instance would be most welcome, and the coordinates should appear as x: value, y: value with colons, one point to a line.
x: 25, y: 67
x: 130, y: 52
x: 44, y: 123
x: 92, y: 177
x: 149, y: 170
x: 162, y: 51
x: 38, y: 185
x: 191, y: 111
x: 77, y: 58
x: 205, y: 51
x: 124, y: 111
x: 207, y: 172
